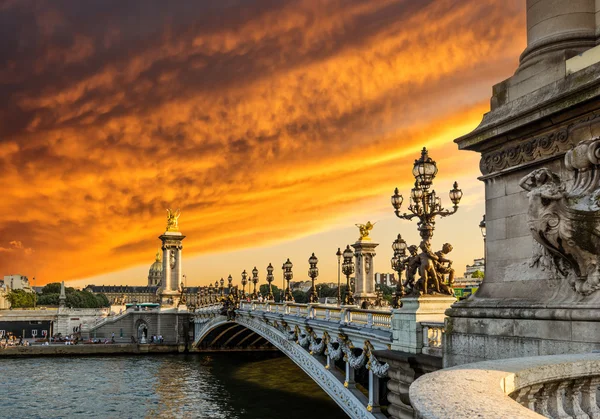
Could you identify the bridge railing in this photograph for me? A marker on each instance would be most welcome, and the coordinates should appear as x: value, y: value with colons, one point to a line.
x: 433, y: 336
x: 343, y: 315
x: 556, y: 386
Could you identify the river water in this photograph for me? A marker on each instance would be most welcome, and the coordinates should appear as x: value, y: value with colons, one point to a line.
x: 232, y: 385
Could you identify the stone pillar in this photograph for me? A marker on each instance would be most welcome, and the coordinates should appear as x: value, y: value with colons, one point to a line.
x: 407, y: 331
x: 554, y: 27
x: 172, y: 269
x: 364, y: 252
x: 62, y: 299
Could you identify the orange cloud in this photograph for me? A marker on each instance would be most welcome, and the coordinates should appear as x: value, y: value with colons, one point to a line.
x: 265, y: 122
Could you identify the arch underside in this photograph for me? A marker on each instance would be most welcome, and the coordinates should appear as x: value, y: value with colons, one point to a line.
x: 232, y: 336
x: 242, y: 331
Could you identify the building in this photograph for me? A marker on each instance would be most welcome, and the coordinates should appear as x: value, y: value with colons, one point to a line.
x: 4, y: 303
x: 385, y: 279
x: 468, y: 285
x: 478, y: 265
x: 17, y: 282
x: 123, y: 294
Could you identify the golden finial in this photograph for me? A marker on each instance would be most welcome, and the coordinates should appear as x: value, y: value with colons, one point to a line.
x: 157, y: 259
x: 364, y: 230
x: 173, y: 219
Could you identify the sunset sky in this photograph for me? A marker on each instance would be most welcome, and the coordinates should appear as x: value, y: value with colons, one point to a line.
x: 275, y: 125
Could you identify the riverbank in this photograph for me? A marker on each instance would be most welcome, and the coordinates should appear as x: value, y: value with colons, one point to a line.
x: 89, y: 349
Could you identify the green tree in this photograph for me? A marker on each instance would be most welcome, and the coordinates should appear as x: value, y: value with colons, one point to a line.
x: 478, y: 274
x: 48, y: 299
x: 53, y: 288
x: 21, y: 299
x: 264, y: 290
x: 300, y: 296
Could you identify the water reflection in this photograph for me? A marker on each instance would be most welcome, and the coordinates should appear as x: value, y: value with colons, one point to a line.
x: 235, y: 385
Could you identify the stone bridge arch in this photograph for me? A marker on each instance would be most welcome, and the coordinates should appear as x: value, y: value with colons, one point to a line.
x: 220, y: 329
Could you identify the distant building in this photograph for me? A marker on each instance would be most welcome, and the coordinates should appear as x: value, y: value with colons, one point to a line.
x: 17, y: 282
x: 4, y: 303
x: 385, y: 279
x: 467, y: 285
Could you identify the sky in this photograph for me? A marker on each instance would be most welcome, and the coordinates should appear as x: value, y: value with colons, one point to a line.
x: 275, y: 125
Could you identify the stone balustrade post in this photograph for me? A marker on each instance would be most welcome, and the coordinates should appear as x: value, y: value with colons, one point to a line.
x: 327, y: 314
x: 369, y: 319
x: 589, y: 402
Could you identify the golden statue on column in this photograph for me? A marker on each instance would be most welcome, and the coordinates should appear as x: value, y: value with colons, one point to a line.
x: 364, y: 230
x: 173, y: 219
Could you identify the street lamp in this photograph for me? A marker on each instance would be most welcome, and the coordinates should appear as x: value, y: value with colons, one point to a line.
x: 222, y: 282
x: 425, y: 204
x: 244, y: 282
x: 483, y: 227
x: 398, y: 265
x: 339, y: 292
x: 254, y: 281
x: 270, y: 279
x: 313, y: 273
x: 348, y: 269
x: 288, y: 275
x: 229, y: 284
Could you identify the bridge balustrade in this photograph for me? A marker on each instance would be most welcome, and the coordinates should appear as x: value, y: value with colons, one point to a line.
x: 554, y: 386
x: 433, y: 333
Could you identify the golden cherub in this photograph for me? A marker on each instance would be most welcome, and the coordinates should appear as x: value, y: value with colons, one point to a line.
x: 365, y: 229
x: 172, y: 219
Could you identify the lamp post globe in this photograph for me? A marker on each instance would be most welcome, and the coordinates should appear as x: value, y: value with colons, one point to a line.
x: 254, y: 281
x: 288, y: 275
x: 270, y: 279
x: 348, y: 269
x: 313, y: 273
x: 244, y: 282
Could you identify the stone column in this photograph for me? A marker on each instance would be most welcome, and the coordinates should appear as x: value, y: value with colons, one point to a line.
x: 172, y: 273
x: 364, y: 252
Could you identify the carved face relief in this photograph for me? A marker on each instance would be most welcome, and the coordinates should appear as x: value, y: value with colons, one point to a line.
x: 172, y: 259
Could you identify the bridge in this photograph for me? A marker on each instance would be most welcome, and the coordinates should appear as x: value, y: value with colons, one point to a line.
x: 329, y: 343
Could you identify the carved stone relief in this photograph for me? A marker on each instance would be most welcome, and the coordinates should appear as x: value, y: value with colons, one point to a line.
x: 564, y: 217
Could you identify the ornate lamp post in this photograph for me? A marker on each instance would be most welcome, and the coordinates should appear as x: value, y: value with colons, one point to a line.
x: 270, y: 279
x: 425, y: 204
x: 348, y: 269
x: 339, y: 291
x: 398, y: 265
x: 244, y: 282
x: 222, y: 282
x: 229, y: 284
x: 288, y: 275
x: 313, y: 273
x: 254, y: 281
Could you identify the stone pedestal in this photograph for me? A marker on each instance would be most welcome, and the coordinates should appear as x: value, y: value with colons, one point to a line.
x: 406, y: 321
x: 364, y: 252
x: 172, y: 268
x: 526, y: 305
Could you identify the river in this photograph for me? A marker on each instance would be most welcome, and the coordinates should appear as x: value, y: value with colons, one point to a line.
x: 226, y: 385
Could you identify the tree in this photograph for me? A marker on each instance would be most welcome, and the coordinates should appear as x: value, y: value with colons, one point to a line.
x: 21, y: 299
x: 300, y: 296
x: 53, y: 288
x: 478, y: 274
x: 264, y: 290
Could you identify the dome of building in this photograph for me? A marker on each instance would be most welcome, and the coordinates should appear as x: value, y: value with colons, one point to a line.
x: 155, y: 272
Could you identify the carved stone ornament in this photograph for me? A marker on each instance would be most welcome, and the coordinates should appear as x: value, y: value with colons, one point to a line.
x: 172, y: 259
x: 564, y: 217
x: 367, y: 264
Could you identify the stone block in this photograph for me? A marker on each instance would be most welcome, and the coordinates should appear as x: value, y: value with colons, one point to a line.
x: 493, y: 327
x: 496, y: 229
x: 509, y: 249
x: 543, y: 329
x: 586, y: 332
x: 505, y: 206
x: 516, y: 226
x: 495, y: 187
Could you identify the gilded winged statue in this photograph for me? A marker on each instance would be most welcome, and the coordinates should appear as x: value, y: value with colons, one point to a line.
x: 364, y: 230
x: 173, y: 219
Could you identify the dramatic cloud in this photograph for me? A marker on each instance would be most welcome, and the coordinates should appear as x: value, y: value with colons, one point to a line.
x: 263, y: 120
